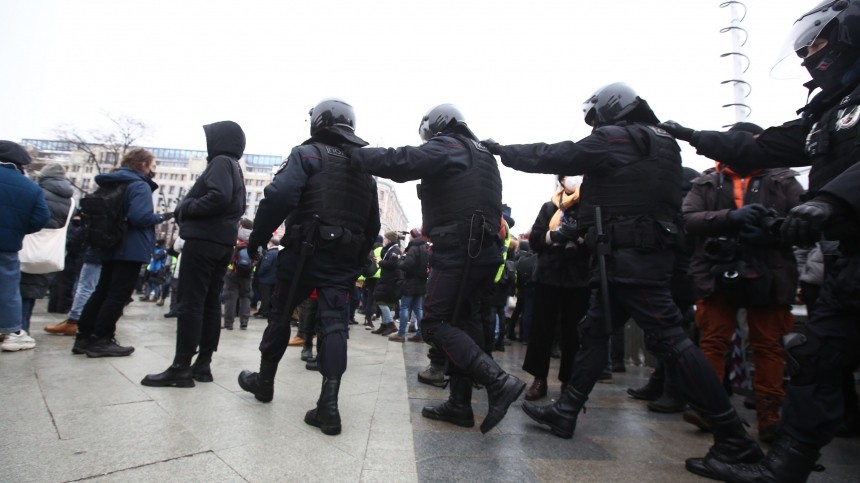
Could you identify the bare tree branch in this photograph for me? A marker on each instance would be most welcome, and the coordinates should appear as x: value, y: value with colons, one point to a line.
x: 105, y: 146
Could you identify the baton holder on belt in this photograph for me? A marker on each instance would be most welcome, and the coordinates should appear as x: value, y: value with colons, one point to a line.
x: 602, y: 249
x: 305, y: 252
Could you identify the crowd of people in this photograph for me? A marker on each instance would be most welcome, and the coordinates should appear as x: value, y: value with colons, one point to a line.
x: 627, y: 235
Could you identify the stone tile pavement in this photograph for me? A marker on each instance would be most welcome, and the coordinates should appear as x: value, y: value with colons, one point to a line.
x: 70, y: 418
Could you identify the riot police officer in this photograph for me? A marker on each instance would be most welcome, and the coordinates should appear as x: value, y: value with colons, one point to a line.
x: 330, y: 213
x: 827, y: 137
x: 632, y: 178
x: 461, y: 203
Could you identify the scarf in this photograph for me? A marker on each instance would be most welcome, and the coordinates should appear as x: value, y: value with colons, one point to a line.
x: 562, y: 200
x: 740, y: 183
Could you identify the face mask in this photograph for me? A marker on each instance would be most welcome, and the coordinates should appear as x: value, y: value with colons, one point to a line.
x: 570, y: 183
x: 244, y: 234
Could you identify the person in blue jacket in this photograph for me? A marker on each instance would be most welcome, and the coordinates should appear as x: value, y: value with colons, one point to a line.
x: 121, y: 263
x: 24, y: 212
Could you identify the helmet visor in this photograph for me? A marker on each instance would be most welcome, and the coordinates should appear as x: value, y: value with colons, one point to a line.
x: 805, y: 30
x: 588, y: 110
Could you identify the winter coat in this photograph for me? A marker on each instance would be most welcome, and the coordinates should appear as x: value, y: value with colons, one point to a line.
x: 388, y: 288
x: 414, y: 265
x: 23, y: 204
x: 705, y: 217
x: 213, y: 206
x: 58, y: 196
x: 136, y: 245
x: 267, y: 270
x: 556, y: 266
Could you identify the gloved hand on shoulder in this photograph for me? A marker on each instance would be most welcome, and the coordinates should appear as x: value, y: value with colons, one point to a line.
x: 492, y: 146
x: 677, y: 131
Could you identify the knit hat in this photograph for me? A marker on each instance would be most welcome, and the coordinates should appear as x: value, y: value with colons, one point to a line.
x: 506, y: 214
x: 393, y: 236
x: 747, y: 127
x: 12, y: 152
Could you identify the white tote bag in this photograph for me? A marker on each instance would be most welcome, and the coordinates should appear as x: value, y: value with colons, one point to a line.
x: 45, y: 250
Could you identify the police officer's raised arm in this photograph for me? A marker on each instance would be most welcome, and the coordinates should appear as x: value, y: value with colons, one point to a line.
x: 566, y: 157
x: 438, y: 155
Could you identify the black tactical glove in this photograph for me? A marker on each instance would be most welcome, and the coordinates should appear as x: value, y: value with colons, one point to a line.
x: 492, y: 146
x: 748, y: 215
x: 677, y: 131
x: 166, y: 216
x: 255, y: 252
x: 803, y: 224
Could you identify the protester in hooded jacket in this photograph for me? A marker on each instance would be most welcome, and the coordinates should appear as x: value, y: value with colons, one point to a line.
x: 209, y: 223
x: 387, y: 290
x: 415, y: 265
x: 58, y: 195
x: 24, y: 212
x: 122, y: 262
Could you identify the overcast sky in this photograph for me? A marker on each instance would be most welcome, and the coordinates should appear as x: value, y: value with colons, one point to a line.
x: 519, y: 71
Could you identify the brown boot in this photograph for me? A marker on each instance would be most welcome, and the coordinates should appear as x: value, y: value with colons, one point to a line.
x: 66, y: 327
x: 767, y: 413
x: 537, y: 390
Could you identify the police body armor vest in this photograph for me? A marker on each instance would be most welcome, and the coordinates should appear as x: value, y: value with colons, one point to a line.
x: 453, y: 200
x: 834, y: 137
x: 340, y: 196
x: 648, y: 185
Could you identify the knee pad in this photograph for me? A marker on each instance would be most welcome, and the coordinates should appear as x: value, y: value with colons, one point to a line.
x: 330, y: 322
x: 811, y: 360
x: 667, y: 344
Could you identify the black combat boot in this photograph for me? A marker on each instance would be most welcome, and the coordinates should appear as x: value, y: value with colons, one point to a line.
x: 561, y: 416
x: 326, y: 416
x: 502, y: 389
x: 732, y: 446
x: 653, y: 389
x: 200, y: 370
x: 670, y: 402
x: 458, y: 408
x: 788, y: 461
x: 260, y: 384
x: 307, y: 350
x: 177, y: 375
x: 81, y: 344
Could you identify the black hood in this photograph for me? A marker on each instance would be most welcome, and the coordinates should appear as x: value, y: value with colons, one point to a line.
x: 224, y: 137
x: 11, y: 152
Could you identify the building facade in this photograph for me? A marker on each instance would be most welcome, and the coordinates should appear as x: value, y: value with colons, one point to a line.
x: 177, y: 170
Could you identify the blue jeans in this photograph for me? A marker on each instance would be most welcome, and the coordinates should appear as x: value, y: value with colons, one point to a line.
x: 414, y: 304
x: 385, y: 309
x: 87, y: 281
x: 27, y: 306
x: 10, y: 292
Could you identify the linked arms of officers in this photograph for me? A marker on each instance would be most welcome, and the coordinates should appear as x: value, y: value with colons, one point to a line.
x: 567, y: 157
x: 776, y: 147
x: 440, y: 155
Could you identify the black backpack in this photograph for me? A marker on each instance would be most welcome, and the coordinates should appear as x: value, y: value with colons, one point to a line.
x: 103, y: 216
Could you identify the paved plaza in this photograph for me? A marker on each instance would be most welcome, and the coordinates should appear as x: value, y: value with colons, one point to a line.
x: 70, y: 418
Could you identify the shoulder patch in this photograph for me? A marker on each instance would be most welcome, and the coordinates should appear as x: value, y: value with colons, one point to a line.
x: 659, y: 131
x: 481, y: 147
x: 333, y: 151
x: 847, y: 118
x: 283, y: 165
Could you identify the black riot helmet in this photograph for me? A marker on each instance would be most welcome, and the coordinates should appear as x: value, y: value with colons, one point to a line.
x: 440, y: 118
x: 332, y: 112
x: 837, y: 64
x: 610, y: 104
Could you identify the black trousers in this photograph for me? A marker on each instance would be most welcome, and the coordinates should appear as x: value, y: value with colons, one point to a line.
x: 332, y: 325
x: 653, y: 309
x: 105, y: 306
x: 814, y: 403
x: 555, y: 306
x: 201, y: 278
x: 459, y: 339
